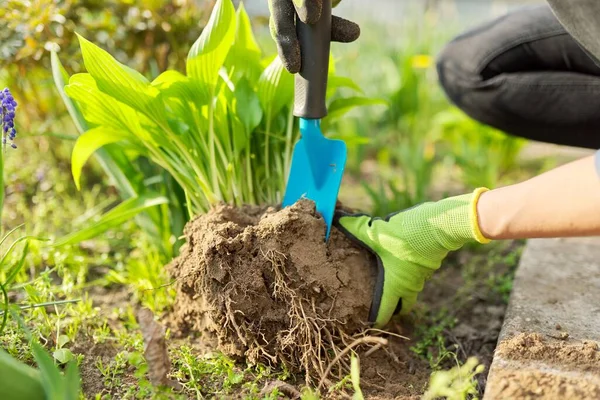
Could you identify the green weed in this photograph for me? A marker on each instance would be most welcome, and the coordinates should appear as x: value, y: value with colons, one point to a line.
x: 432, y: 340
x: 501, y: 281
x: 218, y: 375
x: 458, y: 383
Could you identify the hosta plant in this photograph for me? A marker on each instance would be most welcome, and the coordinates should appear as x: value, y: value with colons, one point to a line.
x: 221, y: 131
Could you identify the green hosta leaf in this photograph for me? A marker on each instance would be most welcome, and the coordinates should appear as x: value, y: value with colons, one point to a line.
x: 119, y: 81
x: 221, y: 121
x: 113, y: 218
x: 239, y: 135
x: 183, y: 97
x: 339, y: 107
x: 244, y: 38
x: 209, y: 52
x: 122, y: 178
x: 336, y: 82
x: 275, y: 88
x: 244, y: 58
x: 173, y: 84
x: 60, y: 80
x: 87, y: 144
x: 247, y: 105
x: 100, y: 109
x: 168, y: 78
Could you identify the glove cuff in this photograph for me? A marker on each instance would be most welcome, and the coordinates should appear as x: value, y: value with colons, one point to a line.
x: 474, y: 216
x: 456, y: 220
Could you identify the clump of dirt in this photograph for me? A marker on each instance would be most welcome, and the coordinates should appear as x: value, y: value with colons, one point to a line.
x: 267, y: 286
x: 557, y: 370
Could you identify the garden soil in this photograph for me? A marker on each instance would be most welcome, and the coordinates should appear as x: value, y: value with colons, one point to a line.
x: 293, y: 240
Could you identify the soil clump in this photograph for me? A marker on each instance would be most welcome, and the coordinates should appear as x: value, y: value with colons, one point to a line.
x: 264, y: 283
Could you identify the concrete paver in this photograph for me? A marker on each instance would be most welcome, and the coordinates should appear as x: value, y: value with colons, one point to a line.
x: 556, y: 294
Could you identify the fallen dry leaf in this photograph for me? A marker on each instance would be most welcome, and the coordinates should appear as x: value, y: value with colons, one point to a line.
x: 155, y: 349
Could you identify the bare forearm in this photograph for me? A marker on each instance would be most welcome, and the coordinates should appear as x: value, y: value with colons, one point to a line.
x: 563, y: 202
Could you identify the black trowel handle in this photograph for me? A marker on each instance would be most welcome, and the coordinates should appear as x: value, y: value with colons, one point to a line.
x: 311, y: 81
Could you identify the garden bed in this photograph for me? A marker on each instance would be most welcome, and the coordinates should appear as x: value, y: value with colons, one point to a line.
x: 459, y: 316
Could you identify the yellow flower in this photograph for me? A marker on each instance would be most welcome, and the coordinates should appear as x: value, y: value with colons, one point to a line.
x: 429, y: 151
x: 421, y: 61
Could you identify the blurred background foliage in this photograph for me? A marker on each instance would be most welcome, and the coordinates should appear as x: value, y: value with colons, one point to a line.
x: 148, y: 35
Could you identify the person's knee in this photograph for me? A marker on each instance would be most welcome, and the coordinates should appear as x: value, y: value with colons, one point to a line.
x: 456, y: 73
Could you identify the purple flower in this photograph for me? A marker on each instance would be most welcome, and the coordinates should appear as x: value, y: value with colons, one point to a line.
x: 7, y: 117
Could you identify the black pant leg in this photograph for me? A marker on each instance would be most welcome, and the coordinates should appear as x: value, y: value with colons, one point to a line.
x: 524, y: 74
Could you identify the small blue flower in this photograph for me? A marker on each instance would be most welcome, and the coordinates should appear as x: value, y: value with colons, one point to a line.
x: 7, y: 117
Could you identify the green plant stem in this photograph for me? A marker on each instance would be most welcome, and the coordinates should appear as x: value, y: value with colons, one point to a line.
x: 211, y: 141
x: 267, y: 164
x: 249, y: 176
x: 288, y: 144
x: 49, y: 303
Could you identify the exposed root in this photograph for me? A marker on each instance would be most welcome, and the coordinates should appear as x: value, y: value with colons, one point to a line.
x: 364, y: 340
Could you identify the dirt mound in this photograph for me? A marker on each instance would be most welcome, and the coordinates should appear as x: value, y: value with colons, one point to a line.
x: 264, y: 283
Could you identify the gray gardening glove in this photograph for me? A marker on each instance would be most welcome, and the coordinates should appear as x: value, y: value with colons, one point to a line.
x: 283, y: 27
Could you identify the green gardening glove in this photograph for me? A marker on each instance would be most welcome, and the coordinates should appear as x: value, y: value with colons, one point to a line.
x: 410, y: 246
x: 283, y: 27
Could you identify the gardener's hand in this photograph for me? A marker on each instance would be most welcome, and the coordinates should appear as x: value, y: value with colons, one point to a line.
x: 283, y: 27
x: 410, y: 246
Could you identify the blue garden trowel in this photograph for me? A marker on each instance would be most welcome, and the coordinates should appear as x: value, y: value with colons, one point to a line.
x: 317, y: 162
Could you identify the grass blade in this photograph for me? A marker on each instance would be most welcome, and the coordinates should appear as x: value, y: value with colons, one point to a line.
x: 49, y: 374
x: 4, y: 308
x: 72, y: 382
x: 115, y: 217
x: 61, y: 77
x: 10, y: 233
x: 12, y: 273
